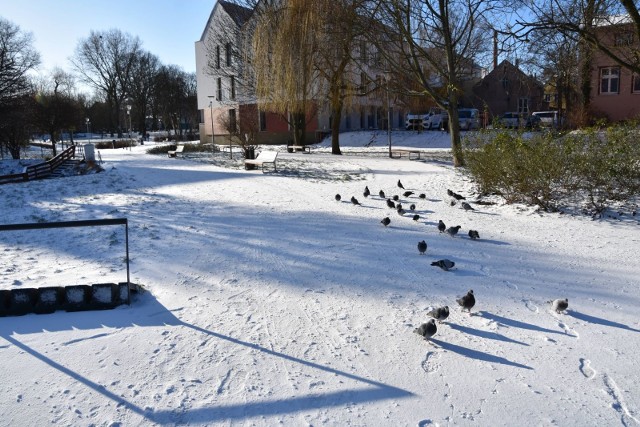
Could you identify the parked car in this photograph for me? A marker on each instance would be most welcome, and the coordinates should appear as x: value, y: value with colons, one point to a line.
x: 547, y: 118
x: 533, y: 122
x: 511, y: 120
x: 416, y: 121
x: 469, y: 118
x: 435, y: 119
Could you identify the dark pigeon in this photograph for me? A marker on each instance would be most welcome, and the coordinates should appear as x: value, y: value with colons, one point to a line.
x: 400, y: 185
x: 354, y: 201
x: 467, y: 207
x: 385, y: 221
x: 401, y: 212
x: 407, y: 193
x: 381, y: 194
x: 391, y: 204
x: 412, y: 207
x: 338, y: 197
x: 422, y: 247
x: 452, y: 231
x: 366, y: 192
x: 445, y: 264
x: 560, y: 305
x: 441, y: 226
x: 467, y: 301
x: 427, y: 330
x: 473, y: 234
x: 399, y: 206
x: 416, y: 217
x: 422, y: 196
x: 457, y: 196
x: 449, y: 192
x: 440, y: 313
x: 396, y: 197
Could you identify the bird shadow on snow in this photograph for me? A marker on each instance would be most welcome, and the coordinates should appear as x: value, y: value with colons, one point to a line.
x: 505, y: 321
x: 599, y: 321
x: 484, y: 334
x: 146, y: 311
x: 477, y: 354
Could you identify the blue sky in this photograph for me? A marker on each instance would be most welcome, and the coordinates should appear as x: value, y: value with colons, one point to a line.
x: 167, y: 28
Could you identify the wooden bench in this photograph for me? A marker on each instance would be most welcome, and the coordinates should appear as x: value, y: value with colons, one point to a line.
x: 173, y: 153
x: 303, y: 148
x: 265, y: 157
x: 408, y: 151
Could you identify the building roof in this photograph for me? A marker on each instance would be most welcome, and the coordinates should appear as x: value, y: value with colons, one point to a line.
x: 239, y: 14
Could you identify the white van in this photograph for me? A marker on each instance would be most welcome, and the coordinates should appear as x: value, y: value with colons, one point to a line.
x: 547, y: 118
x: 469, y: 118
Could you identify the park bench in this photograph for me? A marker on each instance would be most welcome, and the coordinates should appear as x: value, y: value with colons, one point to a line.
x: 265, y: 157
x: 303, y: 148
x: 173, y: 153
x: 408, y: 151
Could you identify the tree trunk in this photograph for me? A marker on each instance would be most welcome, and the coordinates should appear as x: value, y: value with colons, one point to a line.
x: 336, y: 114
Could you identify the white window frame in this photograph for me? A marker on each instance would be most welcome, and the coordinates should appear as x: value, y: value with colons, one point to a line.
x: 608, y: 75
x: 523, y: 105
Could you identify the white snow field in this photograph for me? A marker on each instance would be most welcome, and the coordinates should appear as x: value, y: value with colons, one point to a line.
x: 270, y: 303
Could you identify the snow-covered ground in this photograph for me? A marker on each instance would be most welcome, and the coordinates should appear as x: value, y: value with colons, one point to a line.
x: 269, y: 302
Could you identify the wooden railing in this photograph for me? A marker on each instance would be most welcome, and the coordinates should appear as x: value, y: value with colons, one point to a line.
x: 41, y: 170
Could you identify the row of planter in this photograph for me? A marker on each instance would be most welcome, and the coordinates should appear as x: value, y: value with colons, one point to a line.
x: 100, y: 296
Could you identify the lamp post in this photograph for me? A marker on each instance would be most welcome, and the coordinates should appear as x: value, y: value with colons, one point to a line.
x: 88, y: 127
x: 213, y: 147
x: 386, y: 80
x: 129, y: 117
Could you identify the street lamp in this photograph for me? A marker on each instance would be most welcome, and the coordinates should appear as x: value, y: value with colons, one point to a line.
x: 386, y: 80
x: 88, y: 127
x: 213, y: 147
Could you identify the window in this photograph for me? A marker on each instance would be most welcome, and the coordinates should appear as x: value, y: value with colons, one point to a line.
x: 217, y: 56
x: 523, y: 105
x: 219, y: 90
x: 635, y: 88
x: 232, y: 121
x: 233, y: 87
x: 263, y: 121
x: 228, y: 51
x: 610, y: 80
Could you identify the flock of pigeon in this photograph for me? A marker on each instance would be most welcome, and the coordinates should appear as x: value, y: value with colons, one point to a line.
x: 466, y: 302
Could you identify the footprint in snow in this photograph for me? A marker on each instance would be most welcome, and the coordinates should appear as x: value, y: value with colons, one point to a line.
x: 586, y: 369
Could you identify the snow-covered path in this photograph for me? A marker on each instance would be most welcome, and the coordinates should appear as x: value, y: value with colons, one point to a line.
x: 270, y: 302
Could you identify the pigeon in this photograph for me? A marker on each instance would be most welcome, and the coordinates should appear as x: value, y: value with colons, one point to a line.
x: 445, y: 264
x: 560, y: 305
x: 416, y: 217
x: 395, y: 197
x: 441, y: 226
x: 422, y: 247
x: 422, y: 196
x: 381, y: 194
x: 385, y: 221
x: 412, y: 207
x: 391, y: 204
x: 400, y: 185
x: 453, y: 230
x: 366, y: 191
x: 338, y: 197
x: 452, y: 202
x: 473, y: 234
x: 427, y: 330
x: 467, y: 207
x: 458, y: 196
x: 399, y: 206
x: 449, y: 192
x: 407, y: 193
x: 354, y: 201
x: 440, y: 313
x: 467, y: 301
x: 401, y: 212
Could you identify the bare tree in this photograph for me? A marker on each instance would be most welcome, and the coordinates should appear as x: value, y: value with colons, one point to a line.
x: 105, y: 60
x: 141, y: 86
x: 435, y: 42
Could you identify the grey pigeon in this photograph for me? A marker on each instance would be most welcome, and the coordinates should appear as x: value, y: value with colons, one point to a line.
x: 427, y: 330
x: 422, y: 196
x: 467, y: 301
x: 400, y: 185
x: 440, y: 313
x: 381, y: 194
x: 445, y: 264
x: 399, y: 206
x: 473, y: 234
x: 366, y: 191
x: 396, y: 197
x: 401, y: 212
x: 412, y: 207
x: 422, y: 247
x: 385, y: 221
x: 441, y: 226
x: 467, y: 207
x: 452, y: 231
x: 391, y: 204
x: 407, y: 193
x: 354, y: 201
x: 338, y: 197
x: 416, y: 217
x: 560, y: 305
